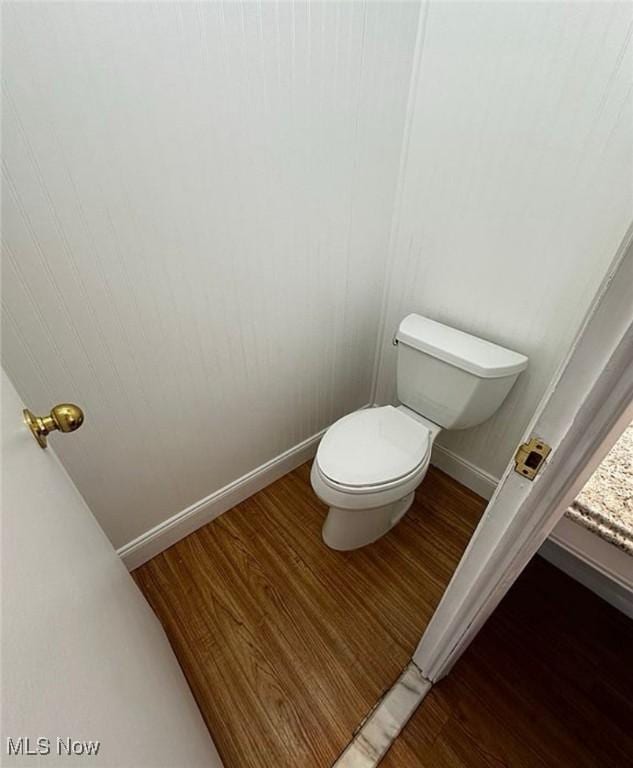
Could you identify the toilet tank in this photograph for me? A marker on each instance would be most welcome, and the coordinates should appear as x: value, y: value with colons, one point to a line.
x: 450, y: 377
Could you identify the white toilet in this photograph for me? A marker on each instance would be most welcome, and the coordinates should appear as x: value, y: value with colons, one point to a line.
x: 370, y: 462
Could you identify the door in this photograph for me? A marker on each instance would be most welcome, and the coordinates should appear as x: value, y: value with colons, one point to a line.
x: 584, y: 411
x: 84, y: 660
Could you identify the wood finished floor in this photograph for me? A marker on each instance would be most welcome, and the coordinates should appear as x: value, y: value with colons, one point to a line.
x: 548, y: 682
x: 287, y: 644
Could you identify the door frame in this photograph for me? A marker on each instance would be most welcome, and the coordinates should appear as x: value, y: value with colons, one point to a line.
x: 586, y: 407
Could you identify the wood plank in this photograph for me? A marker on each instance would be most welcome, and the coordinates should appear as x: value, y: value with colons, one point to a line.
x: 547, y: 682
x: 287, y: 644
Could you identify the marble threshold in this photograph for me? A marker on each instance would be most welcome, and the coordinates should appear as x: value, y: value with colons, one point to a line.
x: 386, y: 720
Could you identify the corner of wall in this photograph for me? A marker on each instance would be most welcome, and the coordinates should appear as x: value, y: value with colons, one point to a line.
x: 397, y: 200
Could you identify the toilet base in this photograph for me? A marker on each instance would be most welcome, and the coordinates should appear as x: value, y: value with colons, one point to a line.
x: 346, y: 529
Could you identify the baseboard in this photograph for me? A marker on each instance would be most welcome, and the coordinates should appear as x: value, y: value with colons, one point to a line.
x: 592, y: 561
x: 478, y: 480
x: 163, y: 535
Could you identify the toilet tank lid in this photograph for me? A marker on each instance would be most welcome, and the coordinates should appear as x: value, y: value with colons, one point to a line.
x: 470, y: 353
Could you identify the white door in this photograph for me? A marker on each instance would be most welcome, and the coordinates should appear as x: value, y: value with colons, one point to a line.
x: 83, y: 657
x: 584, y: 411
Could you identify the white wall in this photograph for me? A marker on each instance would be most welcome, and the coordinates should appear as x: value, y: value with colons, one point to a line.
x: 203, y: 211
x: 82, y: 654
x: 196, y: 209
x: 516, y: 189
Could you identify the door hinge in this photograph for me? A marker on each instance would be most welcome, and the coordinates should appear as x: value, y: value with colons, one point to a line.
x: 530, y: 457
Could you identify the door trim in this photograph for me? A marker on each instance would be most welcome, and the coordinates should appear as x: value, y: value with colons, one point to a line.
x: 586, y: 407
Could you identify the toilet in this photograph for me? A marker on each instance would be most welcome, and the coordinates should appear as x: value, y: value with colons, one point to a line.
x: 369, y: 463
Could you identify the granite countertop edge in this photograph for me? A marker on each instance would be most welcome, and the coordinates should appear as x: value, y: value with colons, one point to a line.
x: 594, y: 522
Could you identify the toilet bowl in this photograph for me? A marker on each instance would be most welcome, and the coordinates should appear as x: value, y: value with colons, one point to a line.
x: 370, y: 462
x: 366, y: 470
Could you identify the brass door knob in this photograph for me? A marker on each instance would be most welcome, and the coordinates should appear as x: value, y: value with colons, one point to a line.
x: 65, y: 417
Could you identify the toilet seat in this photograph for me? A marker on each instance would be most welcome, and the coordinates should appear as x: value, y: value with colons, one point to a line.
x: 373, y: 450
x: 370, y: 490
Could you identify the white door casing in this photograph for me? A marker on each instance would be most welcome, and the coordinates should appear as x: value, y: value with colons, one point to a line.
x: 83, y: 656
x: 583, y: 412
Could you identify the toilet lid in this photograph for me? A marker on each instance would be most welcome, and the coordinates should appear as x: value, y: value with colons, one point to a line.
x: 372, y: 447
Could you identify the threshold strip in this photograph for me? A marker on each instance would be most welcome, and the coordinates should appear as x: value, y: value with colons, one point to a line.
x: 385, y: 721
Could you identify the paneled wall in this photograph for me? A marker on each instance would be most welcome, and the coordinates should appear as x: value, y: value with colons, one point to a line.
x: 196, y: 208
x: 516, y: 188
x: 212, y: 212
